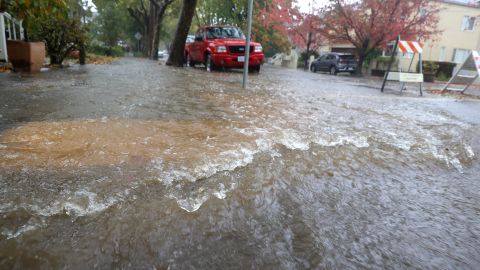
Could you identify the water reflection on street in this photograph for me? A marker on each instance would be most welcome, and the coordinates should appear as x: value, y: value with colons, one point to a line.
x: 137, y: 165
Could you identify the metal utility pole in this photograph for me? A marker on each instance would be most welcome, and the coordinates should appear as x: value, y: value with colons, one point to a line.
x: 247, y: 44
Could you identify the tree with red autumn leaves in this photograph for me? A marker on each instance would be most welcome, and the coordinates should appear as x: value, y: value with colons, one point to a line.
x: 271, y: 24
x: 371, y: 24
x: 305, y: 33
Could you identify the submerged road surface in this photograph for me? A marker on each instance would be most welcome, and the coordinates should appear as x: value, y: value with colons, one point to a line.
x: 140, y: 166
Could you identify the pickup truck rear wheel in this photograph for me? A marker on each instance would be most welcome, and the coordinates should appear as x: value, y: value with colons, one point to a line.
x: 333, y: 70
x: 209, y: 66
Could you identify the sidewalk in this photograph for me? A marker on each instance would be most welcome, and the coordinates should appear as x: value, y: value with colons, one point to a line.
x: 429, y: 88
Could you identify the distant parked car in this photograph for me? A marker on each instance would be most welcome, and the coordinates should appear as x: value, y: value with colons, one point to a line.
x: 335, y: 63
x: 162, y: 54
x: 190, y: 39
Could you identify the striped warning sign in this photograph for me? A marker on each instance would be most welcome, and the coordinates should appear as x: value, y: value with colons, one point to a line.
x: 410, y: 46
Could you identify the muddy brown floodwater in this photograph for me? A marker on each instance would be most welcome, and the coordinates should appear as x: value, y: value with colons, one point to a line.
x: 138, y: 166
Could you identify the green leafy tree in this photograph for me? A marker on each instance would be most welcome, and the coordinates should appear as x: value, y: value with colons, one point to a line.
x: 149, y: 16
x: 112, y: 24
x: 61, y: 35
x: 29, y: 10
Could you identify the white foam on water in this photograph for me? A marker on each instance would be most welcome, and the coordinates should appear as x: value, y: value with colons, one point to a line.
x: 222, y: 191
x: 2, y: 146
x: 294, y: 141
x: 5, y: 207
x: 469, y: 151
x: 80, y: 203
x: 85, y: 203
x: 358, y: 142
x: 191, y: 204
x: 31, y: 225
x: 23, y: 229
x: 11, y: 156
x: 442, y: 155
x: 226, y: 161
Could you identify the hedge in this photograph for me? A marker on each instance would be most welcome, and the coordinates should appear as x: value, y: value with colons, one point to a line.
x: 445, y: 69
x: 116, y: 51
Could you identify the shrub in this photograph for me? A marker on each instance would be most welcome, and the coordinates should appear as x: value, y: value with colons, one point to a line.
x: 442, y: 70
x: 383, y: 61
x: 61, y: 35
x: 446, y: 68
x: 430, y: 67
x: 98, y: 49
x: 303, y: 55
x: 442, y: 77
x: 375, y: 54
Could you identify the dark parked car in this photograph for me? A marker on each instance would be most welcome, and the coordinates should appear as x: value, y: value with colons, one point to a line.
x: 334, y: 63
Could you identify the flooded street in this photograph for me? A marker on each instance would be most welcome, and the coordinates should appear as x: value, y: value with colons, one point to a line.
x: 136, y: 165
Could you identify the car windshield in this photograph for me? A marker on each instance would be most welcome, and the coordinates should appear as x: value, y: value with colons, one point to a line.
x: 224, y: 32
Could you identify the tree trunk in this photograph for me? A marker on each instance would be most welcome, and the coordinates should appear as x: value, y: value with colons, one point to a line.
x: 177, y: 53
x: 150, y: 20
x: 25, y: 34
x: 362, y: 53
x: 55, y: 59
x: 157, y: 12
x: 83, y: 54
x: 361, y: 59
x: 153, y: 24
x: 309, y: 42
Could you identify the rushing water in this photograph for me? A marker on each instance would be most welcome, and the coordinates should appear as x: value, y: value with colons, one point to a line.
x: 136, y: 165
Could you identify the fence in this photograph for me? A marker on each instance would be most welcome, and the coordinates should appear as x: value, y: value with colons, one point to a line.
x: 10, y: 29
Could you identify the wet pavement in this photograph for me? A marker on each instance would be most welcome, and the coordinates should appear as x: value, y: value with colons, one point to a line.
x: 136, y: 165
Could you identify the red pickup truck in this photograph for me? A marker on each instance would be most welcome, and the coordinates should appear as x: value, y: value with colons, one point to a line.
x: 222, y: 46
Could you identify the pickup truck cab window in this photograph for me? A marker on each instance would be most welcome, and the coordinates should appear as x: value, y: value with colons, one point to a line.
x: 199, y: 36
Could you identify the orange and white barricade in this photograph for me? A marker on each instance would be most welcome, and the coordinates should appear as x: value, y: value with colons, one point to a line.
x: 404, y: 46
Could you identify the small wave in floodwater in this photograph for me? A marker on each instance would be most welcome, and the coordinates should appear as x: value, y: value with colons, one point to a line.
x: 179, y: 168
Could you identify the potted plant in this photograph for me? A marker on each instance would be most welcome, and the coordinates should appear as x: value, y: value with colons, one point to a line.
x: 430, y: 69
x: 26, y: 55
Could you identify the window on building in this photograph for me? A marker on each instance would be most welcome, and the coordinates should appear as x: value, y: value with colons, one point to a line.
x: 468, y: 23
x: 443, y: 53
x: 460, y: 55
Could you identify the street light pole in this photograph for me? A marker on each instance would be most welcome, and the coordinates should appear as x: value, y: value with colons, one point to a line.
x: 247, y: 44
